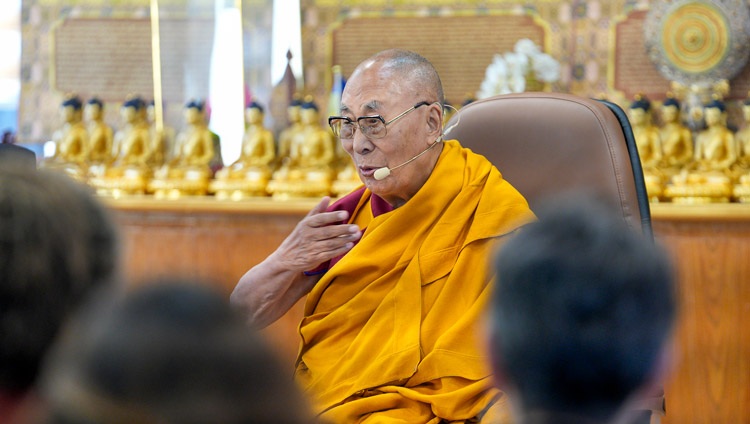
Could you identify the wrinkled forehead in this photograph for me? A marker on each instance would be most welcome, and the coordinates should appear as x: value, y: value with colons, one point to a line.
x: 374, y: 89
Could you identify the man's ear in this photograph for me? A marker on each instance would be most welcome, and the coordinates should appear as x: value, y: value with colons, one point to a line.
x: 435, y: 120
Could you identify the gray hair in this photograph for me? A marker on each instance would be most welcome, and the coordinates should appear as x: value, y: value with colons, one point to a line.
x: 415, y: 68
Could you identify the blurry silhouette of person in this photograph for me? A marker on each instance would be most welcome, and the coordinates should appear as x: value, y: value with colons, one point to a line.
x: 57, y: 245
x: 11, y: 154
x: 168, y: 352
x: 582, y: 316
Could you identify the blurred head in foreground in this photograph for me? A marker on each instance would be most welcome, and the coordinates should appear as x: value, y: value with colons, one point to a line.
x: 168, y: 352
x: 57, y: 245
x: 583, y: 309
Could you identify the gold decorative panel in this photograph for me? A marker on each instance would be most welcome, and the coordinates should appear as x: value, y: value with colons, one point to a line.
x: 460, y: 47
x: 111, y: 58
x: 631, y: 70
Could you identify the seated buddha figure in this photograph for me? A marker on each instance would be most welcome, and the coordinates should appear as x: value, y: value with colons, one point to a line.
x: 162, y: 137
x: 347, y: 179
x: 188, y: 173
x: 648, y: 142
x: 249, y: 175
x: 101, y: 137
x: 676, y: 138
x: 128, y: 172
x: 308, y: 170
x: 286, y: 136
x: 71, y: 141
x: 707, y: 178
x: 743, y: 138
x: 741, y: 169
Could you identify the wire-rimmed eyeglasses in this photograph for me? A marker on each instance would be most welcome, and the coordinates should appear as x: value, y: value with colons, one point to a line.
x: 372, y: 126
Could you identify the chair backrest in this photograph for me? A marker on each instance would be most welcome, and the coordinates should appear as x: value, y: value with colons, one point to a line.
x: 549, y: 143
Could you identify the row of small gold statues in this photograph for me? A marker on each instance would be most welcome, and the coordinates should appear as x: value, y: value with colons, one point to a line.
x: 141, y: 159
x: 708, y: 165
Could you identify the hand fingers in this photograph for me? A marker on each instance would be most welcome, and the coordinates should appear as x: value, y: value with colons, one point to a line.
x: 306, y: 250
x: 333, y: 232
x: 320, y: 207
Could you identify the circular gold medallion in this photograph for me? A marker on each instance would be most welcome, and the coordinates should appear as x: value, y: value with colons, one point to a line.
x: 695, y: 37
x: 698, y: 40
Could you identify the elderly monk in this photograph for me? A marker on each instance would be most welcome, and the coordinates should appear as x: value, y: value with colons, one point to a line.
x: 395, y: 272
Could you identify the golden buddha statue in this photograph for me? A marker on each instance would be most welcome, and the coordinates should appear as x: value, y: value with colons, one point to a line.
x: 249, y: 175
x: 741, y: 169
x: 128, y: 173
x: 308, y: 169
x: 707, y: 179
x: 743, y: 138
x: 188, y: 173
x: 347, y: 179
x: 162, y: 139
x: 715, y: 148
x: 101, y: 137
x: 676, y: 138
x: 295, y: 126
x: 648, y: 142
x: 71, y: 141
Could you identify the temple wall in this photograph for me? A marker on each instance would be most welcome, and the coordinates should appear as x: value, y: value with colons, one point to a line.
x: 599, y: 45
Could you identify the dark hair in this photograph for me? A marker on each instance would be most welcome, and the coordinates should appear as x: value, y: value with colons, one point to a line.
x: 582, y: 309
x: 73, y: 101
x: 716, y: 104
x: 57, y: 244
x: 641, y: 102
x: 171, y: 351
x: 671, y: 101
x: 136, y: 103
x: 195, y: 104
x: 255, y: 105
x: 96, y: 101
x: 310, y: 105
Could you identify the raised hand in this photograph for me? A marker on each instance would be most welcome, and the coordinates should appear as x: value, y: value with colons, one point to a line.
x: 317, y: 238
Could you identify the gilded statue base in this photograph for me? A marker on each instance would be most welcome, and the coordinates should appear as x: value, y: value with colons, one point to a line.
x: 715, y: 192
x: 654, y: 186
x: 283, y: 190
x: 173, y: 183
x: 742, y: 189
x: 127, y: 185
x: 300, y: 183
x: 238, y: 189
x: 174, y: 189
x: 742, y: 193
x: 240, y: 183
x: 342, y: 187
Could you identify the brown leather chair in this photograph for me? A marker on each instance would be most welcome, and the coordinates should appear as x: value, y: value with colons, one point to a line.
x: 545, y: 143
x: 548, y: 143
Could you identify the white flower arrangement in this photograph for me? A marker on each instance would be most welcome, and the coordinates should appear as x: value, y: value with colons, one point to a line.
x: 508, y: 73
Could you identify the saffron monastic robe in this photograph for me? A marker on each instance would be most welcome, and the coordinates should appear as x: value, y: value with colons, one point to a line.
x: 392, y: 331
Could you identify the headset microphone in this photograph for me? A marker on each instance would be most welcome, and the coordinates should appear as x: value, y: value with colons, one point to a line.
x: 384, y: 172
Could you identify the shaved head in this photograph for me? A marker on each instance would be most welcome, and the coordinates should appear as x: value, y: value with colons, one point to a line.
x: 417, y: 72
